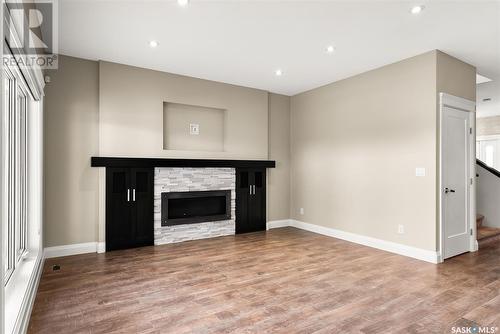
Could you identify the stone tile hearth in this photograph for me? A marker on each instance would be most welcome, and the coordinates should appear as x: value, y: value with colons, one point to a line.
x: 192, y: 179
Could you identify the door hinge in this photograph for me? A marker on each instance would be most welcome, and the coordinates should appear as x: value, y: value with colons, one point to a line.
x: 471, y: 181
x: 470, y: 231
x: 470, y: 130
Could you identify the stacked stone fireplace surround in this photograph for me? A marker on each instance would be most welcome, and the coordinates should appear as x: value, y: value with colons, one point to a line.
x: 192, y: 179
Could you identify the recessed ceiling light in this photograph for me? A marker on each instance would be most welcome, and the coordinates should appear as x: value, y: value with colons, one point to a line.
x: 417, y: 9
x: 183, y: 3
x: 278, y: 72
x: 153, y: 44
x: 330, y: 49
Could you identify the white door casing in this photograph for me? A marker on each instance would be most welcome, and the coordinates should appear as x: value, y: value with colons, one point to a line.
x: 457, y: 195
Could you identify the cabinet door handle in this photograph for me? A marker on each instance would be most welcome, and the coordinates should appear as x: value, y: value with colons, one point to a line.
x: 128, y: 195
x: 250, y: 189
x: 253, y: 189
x: 133, y: 195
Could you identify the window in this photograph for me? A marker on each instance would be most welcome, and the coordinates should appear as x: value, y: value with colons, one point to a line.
x: 16, y: 114
x: 490, y: 155
x: 488, y: 149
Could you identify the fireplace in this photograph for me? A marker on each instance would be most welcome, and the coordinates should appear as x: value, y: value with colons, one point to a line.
x: 192, y: 207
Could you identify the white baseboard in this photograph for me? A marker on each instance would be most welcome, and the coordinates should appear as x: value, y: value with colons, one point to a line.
x: 389, y: 246
x: 101, y: 247
x: 393, y: 247
x: 73, y: 249
x: 278, y: 223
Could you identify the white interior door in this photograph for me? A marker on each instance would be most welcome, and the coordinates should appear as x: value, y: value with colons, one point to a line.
x: 455, y: 181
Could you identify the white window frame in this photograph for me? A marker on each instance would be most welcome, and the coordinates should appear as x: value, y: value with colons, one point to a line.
x: 9, y: 257
x: 479, y: 151
x: 17, y: 171
x: 21, y: 229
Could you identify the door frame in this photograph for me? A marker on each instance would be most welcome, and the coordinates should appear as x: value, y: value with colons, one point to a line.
x: 458, y: 103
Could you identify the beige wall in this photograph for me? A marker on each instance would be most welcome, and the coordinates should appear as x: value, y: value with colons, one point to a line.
x: 455, y: 77
x: 70, y: 139
x: 131, y: 113
x: 345, y: 152
x: 98, y: 108
x: 177, y: 119
x: 279, y: 150
x: 355, y: 146
x: 488, y: 126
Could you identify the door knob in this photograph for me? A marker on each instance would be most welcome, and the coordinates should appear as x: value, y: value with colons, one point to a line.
x: 447, y: 190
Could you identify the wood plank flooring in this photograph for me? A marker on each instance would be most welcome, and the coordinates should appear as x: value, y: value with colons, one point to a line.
x: 281, y: 281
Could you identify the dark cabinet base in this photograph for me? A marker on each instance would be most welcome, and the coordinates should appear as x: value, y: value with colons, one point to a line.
x: 250, y: 200
x: 129, y: 208
x: 130, y: 196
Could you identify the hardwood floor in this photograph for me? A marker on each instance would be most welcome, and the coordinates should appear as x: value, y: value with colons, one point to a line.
x: 283, y: 281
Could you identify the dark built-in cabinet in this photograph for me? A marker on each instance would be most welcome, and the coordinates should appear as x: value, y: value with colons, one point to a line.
x: 250, y: 200
x: 130, y: 196
x: 129, y: 207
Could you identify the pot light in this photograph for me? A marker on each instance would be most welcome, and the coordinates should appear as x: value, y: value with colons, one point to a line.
x: 417, y: 9
x: 278, y: 72
x: 183, y: 3
x: 330, y: 49
x: 153, y: 44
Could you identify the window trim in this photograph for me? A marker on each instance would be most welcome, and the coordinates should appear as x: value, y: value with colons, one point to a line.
x: 22, y: 237
x: 9, y: 257
x: 17, y: 117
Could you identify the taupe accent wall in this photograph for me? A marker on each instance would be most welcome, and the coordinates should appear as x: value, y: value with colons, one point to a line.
x: 177, y: 121
x: 346, y: 152
x: 455, y: 77
x: 355, y: 145
x: 279, y: 150
x: 131, y: 113
x: 71, y: 130
x: 99, y: 108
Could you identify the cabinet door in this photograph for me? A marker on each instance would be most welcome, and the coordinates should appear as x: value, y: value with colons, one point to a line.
x: 119, y: 228
x: 258, y: 200
x: 250, y: 200
x: 142, y: 206
x: 242, y: 200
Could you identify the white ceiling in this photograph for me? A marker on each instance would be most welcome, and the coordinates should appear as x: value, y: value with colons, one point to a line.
x: 488, y: 90
x: 244, y: 42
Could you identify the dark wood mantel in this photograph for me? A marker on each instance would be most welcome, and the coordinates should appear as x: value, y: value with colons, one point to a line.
x: 168, y: 162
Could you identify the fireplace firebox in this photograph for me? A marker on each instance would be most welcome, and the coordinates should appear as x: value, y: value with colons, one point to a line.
x: 194, y: 207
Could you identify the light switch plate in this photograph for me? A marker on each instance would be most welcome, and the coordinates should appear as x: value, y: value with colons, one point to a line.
x: 419, y: 171
x: 194, y: 129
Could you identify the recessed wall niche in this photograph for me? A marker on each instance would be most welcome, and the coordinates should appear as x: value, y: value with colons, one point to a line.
x: 179, y: 120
